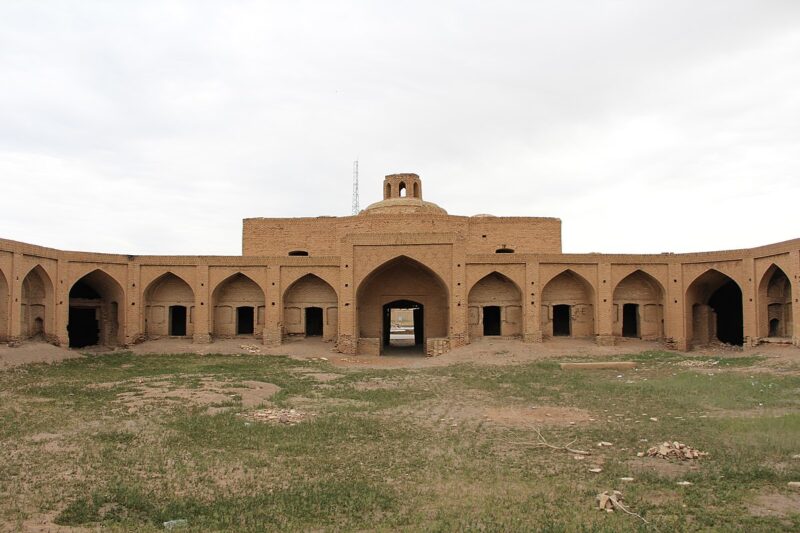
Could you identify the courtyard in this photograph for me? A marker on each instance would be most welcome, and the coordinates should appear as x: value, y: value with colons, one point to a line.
x: 252, y: 440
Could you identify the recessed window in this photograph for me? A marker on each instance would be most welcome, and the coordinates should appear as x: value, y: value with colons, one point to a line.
x: 298, y: 252
x: 504, y: 251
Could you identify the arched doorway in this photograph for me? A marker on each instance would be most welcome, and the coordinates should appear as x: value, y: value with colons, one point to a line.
x: 775, y: 304
x: 95, y: 302
x: 495, y: 307
x: 714, y: 310
x: 567, y: 306
x: 413, y: 284
x: 4, y: 307
x: 37, y: 305
x: 403, y: 326
x: 238, y: 305
x: 639, y: 307
x: 310, y: 308
x: 169, y: 306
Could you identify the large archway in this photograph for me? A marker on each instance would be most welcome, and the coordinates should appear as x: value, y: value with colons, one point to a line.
x: 714, y: 310
x: 495, y: 307
x: 310, y: 308
x: 775, y: 304
x: 169, y: 306
x: 5, y: 304
x: 402, y: 279
x: 95, y: 305
x: 567, y: 306
x: 639, y: 307
x: 238, y: 306
x: 37, y: 305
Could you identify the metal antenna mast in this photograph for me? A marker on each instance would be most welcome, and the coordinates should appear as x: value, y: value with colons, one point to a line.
x: 355, y: 187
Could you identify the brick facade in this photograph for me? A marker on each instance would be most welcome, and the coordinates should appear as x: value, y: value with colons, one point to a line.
x: 341, y: 274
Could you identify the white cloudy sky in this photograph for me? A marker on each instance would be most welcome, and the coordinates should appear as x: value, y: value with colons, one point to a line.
x: 155, y: 127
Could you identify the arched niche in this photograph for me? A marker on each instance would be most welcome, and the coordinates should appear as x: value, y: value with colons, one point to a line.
x: 638, y: 309
x: 495, y: 307
x: 37, y: 305
x: 310, y: 308
x: 169, y: 307
x: 568, y: 306
x: 714, y: 310
x: 775, y: 304
x: 5, y: 307
x: 238, y: 306
x: 402, y: 279
x: 96, y: 316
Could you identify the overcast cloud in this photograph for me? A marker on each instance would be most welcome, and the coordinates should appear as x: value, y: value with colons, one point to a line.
x: 155, y: 127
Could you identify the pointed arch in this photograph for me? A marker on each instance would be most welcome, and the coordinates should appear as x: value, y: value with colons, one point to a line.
x: 310, y: 308
x: 38, y: 305
x: 5, y: 307
x: 96, y: 310
x: 775, y: 313
x: 169, y: 306
x: 714, y: 309
x: 416, y: 190
x: 568, y: 306
x: 495, y: 306
x: 638, y: 306
x: 401, y: 190
x: 402, y: 278
x: 238, y: 307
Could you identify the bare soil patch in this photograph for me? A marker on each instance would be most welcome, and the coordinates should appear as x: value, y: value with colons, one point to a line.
x: 208, y: 393
x: 663, y: 467
x: 774, y: 504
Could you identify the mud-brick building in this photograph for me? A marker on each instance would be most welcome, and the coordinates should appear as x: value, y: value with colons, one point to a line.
x: 461, y: 278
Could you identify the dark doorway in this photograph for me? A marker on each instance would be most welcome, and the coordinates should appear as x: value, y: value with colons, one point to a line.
x: 419, y: 332
x: 774, y: 327
x: 403, y: 327
x: 630, y: 320
x: 244, y: 321
x: 561, y: 321
x: 83, y: 328
x: 313, y: 321
x: 177, y: 320
x: 727, y: 304
x: 491, y: 320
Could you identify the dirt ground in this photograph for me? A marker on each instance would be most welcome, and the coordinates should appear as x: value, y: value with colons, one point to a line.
x: 483, y: 351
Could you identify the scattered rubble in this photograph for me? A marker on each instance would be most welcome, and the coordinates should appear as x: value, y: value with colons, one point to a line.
x: 674, y: 449
x: 603, y: 444
x: 684, y: 483
x: 794, y: 484
x: 609, y: 500
x: 254, y: 349
x: 606, y: 500
x: 280, y: 416
x: 595, y: 470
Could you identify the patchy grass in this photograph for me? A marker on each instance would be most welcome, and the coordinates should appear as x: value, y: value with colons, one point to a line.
x: 394, y: 449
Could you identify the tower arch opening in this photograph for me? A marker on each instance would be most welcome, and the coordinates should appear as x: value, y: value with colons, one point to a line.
x: 402, y: 279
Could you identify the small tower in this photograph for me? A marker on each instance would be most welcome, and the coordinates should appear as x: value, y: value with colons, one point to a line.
x: 402, y: 186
